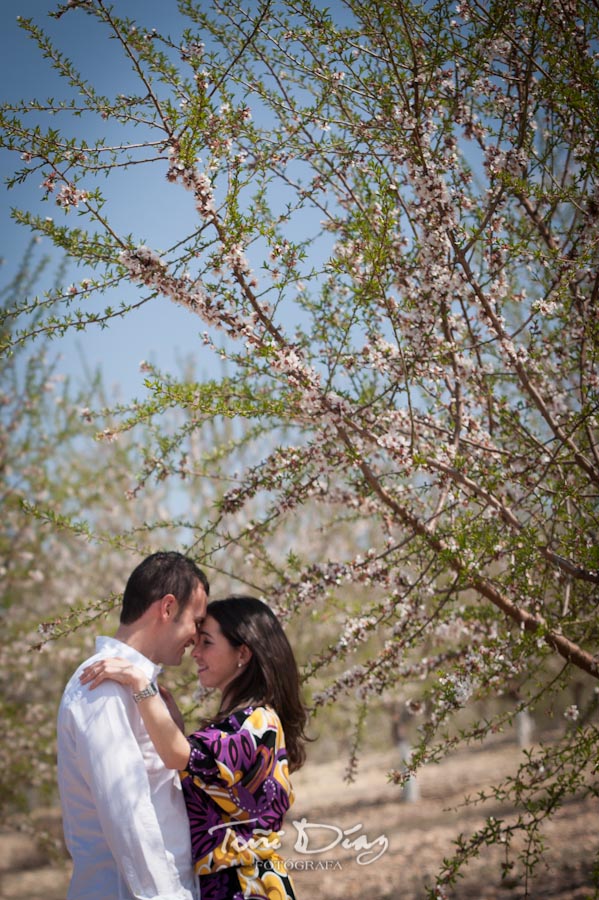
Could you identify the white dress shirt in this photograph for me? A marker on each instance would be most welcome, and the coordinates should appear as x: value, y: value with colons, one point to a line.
x: 124, y: 816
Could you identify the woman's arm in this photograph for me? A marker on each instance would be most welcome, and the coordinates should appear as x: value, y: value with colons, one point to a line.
x: 171, y: 745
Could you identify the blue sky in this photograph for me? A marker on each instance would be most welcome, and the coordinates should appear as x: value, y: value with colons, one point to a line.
x: 160, y: 332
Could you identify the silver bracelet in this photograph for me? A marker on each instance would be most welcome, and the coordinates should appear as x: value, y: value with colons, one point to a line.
x: 150, y: 691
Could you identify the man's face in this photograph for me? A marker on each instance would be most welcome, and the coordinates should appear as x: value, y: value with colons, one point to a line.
x: 180, y: 628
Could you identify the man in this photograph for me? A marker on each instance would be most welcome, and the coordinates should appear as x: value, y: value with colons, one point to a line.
x: 124, y: 817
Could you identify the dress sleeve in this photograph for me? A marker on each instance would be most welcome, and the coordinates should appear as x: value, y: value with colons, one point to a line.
x: 243, y: 756
x: 241, y: 768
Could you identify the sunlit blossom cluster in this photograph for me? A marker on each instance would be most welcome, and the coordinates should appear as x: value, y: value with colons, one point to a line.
x: 198, y: 183
x: 69, y: 196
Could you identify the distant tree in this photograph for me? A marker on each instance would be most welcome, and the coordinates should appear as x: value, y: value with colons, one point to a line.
x: 391, y: 236
x: 60, y: 574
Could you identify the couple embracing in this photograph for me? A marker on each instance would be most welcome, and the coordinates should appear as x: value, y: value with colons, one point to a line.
x: 149, y: 812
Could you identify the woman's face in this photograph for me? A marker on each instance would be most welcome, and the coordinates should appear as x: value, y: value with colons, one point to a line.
x: 217, y: 660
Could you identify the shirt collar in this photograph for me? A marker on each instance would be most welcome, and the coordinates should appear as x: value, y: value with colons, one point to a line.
x: 110, y: 646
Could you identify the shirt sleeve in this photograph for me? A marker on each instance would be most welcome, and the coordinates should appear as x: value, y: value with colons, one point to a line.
x: 119, y: 772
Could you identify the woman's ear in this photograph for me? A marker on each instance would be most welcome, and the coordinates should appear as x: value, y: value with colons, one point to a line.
x: 245, y: 654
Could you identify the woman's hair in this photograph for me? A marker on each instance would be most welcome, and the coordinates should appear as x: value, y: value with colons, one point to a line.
x: 271, y: 676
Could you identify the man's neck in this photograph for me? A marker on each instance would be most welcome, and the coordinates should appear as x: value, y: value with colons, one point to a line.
x: 138, y: 638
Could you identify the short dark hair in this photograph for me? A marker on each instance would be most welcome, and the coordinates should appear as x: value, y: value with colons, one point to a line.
x: 271, y: 675
x: 165, y: 572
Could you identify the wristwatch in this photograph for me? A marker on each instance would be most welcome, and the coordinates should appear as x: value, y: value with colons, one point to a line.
x: 150, y: 691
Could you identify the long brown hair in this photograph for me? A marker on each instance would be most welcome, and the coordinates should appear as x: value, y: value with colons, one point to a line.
x: 271, y: 676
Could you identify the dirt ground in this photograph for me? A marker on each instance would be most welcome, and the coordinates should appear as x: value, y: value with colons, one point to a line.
x: 368, y: 819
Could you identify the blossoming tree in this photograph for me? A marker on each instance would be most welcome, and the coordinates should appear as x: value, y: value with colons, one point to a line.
x: 56, y: 586
x: 389, y: 230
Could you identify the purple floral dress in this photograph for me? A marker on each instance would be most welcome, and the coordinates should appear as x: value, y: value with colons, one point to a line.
x: 237, y: 791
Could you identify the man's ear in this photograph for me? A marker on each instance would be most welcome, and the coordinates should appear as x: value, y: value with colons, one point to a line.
x: 168, y: 607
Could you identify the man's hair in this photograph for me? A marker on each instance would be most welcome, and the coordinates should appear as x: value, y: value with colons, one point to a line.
x: 161, y: 573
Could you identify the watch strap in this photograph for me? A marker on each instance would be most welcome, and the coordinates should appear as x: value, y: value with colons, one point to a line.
x: 150, y: 691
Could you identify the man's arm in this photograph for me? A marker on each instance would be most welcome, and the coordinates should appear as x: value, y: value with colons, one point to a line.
x: 113, y: 765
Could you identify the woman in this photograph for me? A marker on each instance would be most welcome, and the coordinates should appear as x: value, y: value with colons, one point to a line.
x: 235, y: 769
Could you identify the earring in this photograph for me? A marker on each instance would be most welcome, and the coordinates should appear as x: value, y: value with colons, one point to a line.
x: 239, y: 664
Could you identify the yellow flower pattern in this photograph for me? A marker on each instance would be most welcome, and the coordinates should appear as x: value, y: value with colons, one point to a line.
x: 237, y: 791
